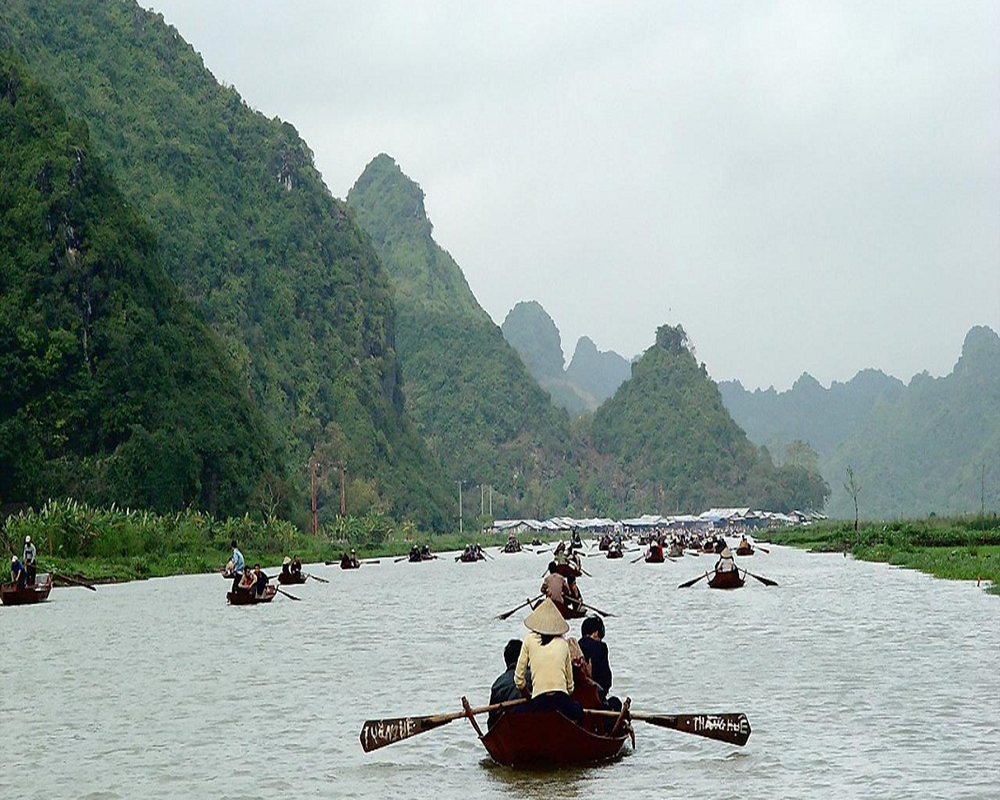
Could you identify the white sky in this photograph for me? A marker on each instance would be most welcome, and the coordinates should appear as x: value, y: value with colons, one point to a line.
x: 804, y: 186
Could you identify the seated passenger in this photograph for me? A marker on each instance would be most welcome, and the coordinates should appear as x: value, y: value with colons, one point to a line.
x: 546, y: 653
x: 725, y: 562
x: 503, y: 689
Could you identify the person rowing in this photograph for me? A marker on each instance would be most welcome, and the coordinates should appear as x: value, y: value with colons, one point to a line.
x: 555, y: 586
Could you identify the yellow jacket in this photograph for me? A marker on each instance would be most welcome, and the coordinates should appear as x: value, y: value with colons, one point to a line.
x: 551, y: 667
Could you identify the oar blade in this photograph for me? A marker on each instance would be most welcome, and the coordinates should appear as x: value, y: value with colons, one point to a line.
x: 692, y: 582
x: 376, y: 733
x: 731, y: 728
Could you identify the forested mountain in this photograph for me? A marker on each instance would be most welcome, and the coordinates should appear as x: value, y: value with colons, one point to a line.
x: 933, y: 448
x: 114, y: 390
x: 251, y: 235
x: 807, y: 412
x: 598, y: 373
x: 469, y: 391
x: 592, y: 376
x: 531, y: 332
x: 669, y: 431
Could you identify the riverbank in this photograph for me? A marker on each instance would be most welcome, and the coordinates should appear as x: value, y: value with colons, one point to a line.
x: 117, y: 545
x: 964, y: 548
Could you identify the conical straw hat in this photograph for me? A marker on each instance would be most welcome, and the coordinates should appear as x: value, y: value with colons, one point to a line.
x: 546, y: 619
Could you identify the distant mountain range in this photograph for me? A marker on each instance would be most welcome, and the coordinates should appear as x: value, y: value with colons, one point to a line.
x: 932, y: 446
x: 188, y: 318
x: 592, y: 376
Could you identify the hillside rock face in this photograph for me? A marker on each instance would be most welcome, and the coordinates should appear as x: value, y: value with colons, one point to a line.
x: 113, y: 389
x: 473, y: 398
x: 592, y: 376
x: 251, y: 235
x: 932, y: 449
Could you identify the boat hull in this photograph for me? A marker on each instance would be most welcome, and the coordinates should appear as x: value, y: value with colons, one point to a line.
x: 744, y: 551
x: 249, y: 598
x: 726, y: 580
x: 289, y: 578
x: 11, y: 595
x: 548, y: 739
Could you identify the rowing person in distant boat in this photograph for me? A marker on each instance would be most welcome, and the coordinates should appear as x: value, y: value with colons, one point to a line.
x: 349, y: 560
x: 238, y: 568
x: 726, y: 563
x: 18, y: 574
x: 572, y: 598
x: 28, y: 558
x: 555, y: 586
x: 286, y: 569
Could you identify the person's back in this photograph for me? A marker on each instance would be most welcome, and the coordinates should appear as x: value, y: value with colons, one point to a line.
x: 726, y: 562
x: 239, y: 567
x: 504, y: 690
x: 554, y: 585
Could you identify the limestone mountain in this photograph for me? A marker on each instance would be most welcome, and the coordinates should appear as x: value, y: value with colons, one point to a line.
x: 531, y: 331
x: 597, y: 373
x: 114, y: 390
x: 824, y: 418
x: 930, y: 449
x: 476, y: 404
x: 668, y: 429
x: 249, y: 232
x: 592, y: 376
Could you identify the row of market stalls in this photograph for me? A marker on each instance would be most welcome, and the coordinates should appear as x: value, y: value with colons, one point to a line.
x: 714, y: 518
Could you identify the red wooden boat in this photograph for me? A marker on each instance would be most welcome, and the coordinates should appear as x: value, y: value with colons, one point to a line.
x: 568, y: 613
x: 251, y: 598
x: 615, y: 552
x: 727, y: 580
x: 655, y: 556
x: 548, y: 739
x: 291, y: 577
x: 744, y: 551
x: 569, y: 570
x: 13, y: 595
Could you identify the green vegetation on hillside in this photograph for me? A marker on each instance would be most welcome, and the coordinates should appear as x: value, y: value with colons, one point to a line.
x: 113, y: 389
x: 250, y: 234
x: 468, y: 390
x: 669, y: 431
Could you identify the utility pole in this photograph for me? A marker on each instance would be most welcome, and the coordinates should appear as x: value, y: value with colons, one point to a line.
x: 312, y: 470
x: 482, y: 499
x: 491, y: 501
x: 343, y: 492
x: 460, y: 508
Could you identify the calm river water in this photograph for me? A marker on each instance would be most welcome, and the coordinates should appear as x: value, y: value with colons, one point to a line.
x: 859, y: 680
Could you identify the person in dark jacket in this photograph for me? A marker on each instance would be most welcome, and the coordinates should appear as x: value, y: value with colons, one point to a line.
x: 503, y: 687
x: 596, y: 652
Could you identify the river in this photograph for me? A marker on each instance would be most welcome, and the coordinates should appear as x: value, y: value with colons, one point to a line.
x: 859, y: 680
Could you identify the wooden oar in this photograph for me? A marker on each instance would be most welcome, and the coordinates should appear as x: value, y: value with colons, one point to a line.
x: 316, y: 578
x: 765, y: 581
x: 372, y: 561
x: 286, y: 594
x: 602, y: 613
x: 763, y: 549
x: 68, y: 579
x: 692, y: 582
x: 376, y: 733
x: 507, y: 614
x: 402, y: 558
x: 731, y: 728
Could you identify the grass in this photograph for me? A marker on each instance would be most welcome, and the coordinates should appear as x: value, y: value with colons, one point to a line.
x: 954, y: 548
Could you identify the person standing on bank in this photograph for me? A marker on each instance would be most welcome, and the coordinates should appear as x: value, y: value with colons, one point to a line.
x: 29, y: 559
x: 546, y: 653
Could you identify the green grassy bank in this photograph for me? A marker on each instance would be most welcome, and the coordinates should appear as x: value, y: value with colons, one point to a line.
x: 963, y: 548
x: 110, y: 545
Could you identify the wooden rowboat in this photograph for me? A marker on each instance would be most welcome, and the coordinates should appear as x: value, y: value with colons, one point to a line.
x: 727, y: 580
x: 250, y: 598
x: 615, y: 552
x: 654, y: 557
x: 13, y: 595
x: 568, y: 613
x: 744, y: 551
x: 547, y: 739
x: 291, y: 577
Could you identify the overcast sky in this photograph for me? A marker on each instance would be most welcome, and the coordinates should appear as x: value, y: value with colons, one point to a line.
x: 804, y: 186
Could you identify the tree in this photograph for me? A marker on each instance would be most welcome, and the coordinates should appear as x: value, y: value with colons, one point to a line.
x: 853, y: 489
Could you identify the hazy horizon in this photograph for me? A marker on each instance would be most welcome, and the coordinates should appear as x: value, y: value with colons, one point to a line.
x: 803, y: 187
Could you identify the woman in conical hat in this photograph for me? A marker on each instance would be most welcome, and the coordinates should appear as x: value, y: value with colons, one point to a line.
x: 546, y: 653
x: 726, y: 562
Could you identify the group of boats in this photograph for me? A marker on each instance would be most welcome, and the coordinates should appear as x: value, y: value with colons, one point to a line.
x: 532, y: 738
